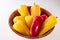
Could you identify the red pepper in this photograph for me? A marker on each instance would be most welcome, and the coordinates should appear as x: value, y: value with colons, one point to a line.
x: 36, y: 25
x: 44, y: 17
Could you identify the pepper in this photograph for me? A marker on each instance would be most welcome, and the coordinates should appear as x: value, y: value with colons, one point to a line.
x: 35, y: 10
x: 44, y: 17
x: 28, y: 20
x: 21, y: 27
x: 48, y: 24
x: 19, y: 18
x: 36, y: 25
x: 23, y: 10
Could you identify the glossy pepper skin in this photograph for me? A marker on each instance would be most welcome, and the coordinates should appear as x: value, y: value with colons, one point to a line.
x: 36, y: 26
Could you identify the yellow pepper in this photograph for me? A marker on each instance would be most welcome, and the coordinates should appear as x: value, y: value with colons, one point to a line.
x: 35, y: 10
x: 28, y: 20
x: 19, y: 18
x: 23, y: 10
x: 48, y: 24
x: 21, y: 28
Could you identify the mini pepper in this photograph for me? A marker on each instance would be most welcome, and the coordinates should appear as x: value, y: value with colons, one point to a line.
x: 36, y: 26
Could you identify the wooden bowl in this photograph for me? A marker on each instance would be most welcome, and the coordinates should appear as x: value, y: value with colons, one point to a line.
x: 16, y: 13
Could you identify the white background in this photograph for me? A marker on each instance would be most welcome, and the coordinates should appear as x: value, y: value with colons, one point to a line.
x: 8, y: 6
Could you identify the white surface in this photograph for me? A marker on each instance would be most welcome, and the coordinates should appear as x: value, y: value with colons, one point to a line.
x: 8, y: 6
